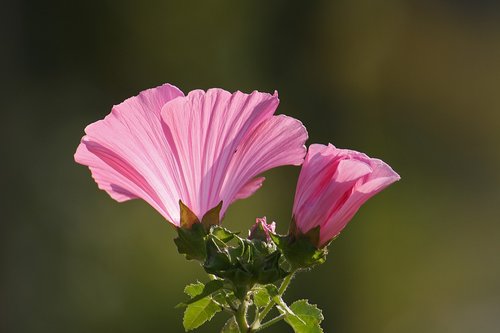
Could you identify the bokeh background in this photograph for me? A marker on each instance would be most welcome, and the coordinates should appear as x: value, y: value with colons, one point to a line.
x: 415, y: 83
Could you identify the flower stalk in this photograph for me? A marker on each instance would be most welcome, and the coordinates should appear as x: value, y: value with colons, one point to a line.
x: 241, y: 316
x: 283, y: 287
x: 271, y: 322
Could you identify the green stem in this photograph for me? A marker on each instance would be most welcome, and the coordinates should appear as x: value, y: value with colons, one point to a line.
x: 285, y: 283
x: 281, y: 291
x: 241, y: 316
x: 269, y: 323
x: 223, y: 307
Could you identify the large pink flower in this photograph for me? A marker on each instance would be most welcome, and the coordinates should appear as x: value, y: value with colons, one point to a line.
x: 203, y: 148
x: 332, y: 186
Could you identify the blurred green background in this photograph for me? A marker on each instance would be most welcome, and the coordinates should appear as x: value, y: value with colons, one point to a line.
x: 415, y: 83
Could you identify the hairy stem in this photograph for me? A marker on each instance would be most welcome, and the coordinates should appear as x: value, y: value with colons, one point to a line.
x: 269, y: 323
x: 281, y: 291
x: 241, y: 316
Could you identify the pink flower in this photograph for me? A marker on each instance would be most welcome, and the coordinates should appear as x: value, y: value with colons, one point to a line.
x: 332, y: 186
x: 203, y: 148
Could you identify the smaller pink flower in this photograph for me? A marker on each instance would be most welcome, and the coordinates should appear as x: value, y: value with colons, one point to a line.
x: 332, y: 186
x: 261, y: 228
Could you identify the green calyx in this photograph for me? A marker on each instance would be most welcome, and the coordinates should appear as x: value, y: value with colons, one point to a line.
x: 192, y: 233
x: 245, y: 262
x: 191, y: 242
x: 301, y: 250
x: 241, y: 262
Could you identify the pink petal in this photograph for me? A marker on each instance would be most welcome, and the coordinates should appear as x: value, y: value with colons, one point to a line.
x: 379, y: 179
x: 127, y: 151
x: 204, y: 131
x: 331, y: 195
x: 250, y: 188
x: 314, y: 174
x: 275, y: 142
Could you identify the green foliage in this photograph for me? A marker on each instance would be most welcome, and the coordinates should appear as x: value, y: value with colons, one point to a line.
x: 193, y: 233
x: 306, y: 319
x: 199, y: 312
x: 243, y: 274
x: 300, y: 251
x: 245, y: 263
x: 272, y: 290
x: 222, y: 234
x: 191, y: 242
x: 198, y: 291
x: 194, y: 289
x: 261, y: 297
x: 201, y: 307
x: 231, y: 326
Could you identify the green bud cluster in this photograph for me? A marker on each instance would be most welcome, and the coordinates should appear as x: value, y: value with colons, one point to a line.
x: 243, y: 269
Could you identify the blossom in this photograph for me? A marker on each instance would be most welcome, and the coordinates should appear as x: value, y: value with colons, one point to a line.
x: 261, y: 230
x: 333, y: 184
x: 202, y: 149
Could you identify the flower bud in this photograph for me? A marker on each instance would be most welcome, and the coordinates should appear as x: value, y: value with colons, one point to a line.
x: 260, y: 230
x: 332, y: 186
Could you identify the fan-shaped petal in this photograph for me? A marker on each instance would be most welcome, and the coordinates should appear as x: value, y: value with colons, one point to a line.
x: 202, y: 148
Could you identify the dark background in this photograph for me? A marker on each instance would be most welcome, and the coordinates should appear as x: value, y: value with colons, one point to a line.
x: 415, y: 83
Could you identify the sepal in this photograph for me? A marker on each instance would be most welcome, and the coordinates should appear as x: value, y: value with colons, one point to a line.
x: 192, y: 234
x: 191, y: 242
x: 187, y: 217
x: 212, y: 217
x: 301, y: 251
x: 218, y: 257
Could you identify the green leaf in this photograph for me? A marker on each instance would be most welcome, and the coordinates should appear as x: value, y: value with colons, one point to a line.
x: 191, y: 241
x: 269, y: 269
x: 284, y: 309
x: 193, y: 290
x: 199, y: 312
x: 272, y: 290
x: 278, y: 240
x: 310, y: 317
x: 231, y: 326
x: 222, y: 234
x: 218, y: 258
x: 261, y: 297
x: 281, y: 305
